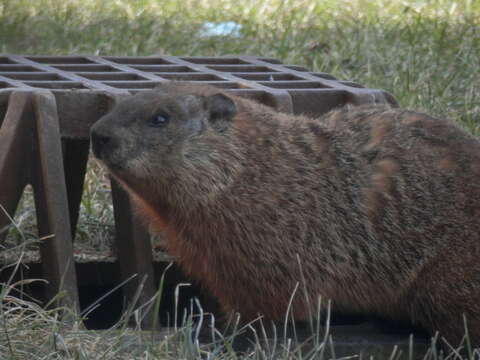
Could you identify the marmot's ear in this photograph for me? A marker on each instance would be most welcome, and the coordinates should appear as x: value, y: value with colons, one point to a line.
x: 222, y: 109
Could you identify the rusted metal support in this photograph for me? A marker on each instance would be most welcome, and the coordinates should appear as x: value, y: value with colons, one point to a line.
x: 31, y: 153
x: 15, y: 151
x: 134, y: 251
x: 51, y: 202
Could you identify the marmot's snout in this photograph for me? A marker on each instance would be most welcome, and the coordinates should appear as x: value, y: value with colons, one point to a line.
x: 101, y: 142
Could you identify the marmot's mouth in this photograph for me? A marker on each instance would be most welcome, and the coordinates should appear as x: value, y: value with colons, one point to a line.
x: 104, y: 157
x: 103, y: 148
x: 100, y: 143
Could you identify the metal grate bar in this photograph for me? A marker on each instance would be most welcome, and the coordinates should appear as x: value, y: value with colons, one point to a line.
x: 45, y: 64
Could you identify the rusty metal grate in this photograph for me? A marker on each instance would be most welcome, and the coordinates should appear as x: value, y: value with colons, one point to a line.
x: 288, y: 88
x: 48, y: 103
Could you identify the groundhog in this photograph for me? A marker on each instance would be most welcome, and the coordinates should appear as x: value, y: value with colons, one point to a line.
x: 375, y: 208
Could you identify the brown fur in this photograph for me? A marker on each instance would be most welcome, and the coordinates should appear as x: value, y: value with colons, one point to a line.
x: 380, y: 205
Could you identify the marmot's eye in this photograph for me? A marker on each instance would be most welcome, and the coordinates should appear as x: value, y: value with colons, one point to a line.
x: 158, y: 120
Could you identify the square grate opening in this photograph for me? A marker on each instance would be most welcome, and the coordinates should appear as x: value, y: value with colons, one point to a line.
x: 294, y: 85
x: 31, y: 76
x: 226, y: 85
x: 189, y: 77
x: 269, y: 77
x: 297, y: 68
x: 241, y: 68
x: 138, y: 60
x: 16, y: 68
x: 5, y: 60
x: 323, y: 76
x: 110, y: 76
x: 59, y: 85
x: 212, y: 60
x: 133, y: 84
x: 160, y: 68
x: 85, y: 68
x: 60, y: 59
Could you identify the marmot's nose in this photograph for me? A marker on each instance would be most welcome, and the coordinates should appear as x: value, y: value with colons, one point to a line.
x: 99, y: 142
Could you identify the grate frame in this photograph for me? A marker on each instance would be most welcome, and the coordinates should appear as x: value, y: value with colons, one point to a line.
x: 287, y: 88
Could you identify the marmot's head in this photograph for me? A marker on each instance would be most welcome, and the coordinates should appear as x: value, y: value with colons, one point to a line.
x: 147, y: 135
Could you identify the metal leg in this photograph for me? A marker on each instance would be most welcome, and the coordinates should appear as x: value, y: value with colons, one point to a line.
x: 51, y: 203
x: 15, y: 133
x: 134, y: 252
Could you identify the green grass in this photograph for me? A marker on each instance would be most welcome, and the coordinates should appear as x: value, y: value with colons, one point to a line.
x: 425, y: 52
